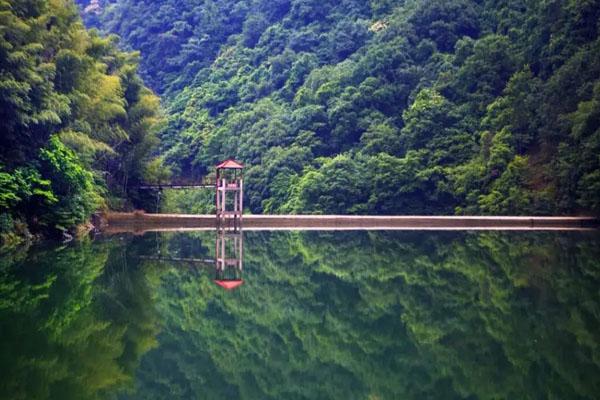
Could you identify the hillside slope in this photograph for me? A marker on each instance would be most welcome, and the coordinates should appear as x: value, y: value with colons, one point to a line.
x: 378, y: 107
x: 76, y: 122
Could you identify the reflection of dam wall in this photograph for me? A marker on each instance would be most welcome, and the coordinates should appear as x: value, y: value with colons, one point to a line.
x: 141, y: 222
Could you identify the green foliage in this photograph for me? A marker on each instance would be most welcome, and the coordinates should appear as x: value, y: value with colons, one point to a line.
x: 335, y: 188
x: 10, y: 188
x: 25, y: 185
x: 406, y: 186
x: 254, y: 26
x: 186, y: 202
x: 61, y: 89
x: 585, y: 132
x: 473, y: 89
x: 509, y: 195
x: 71, y: 183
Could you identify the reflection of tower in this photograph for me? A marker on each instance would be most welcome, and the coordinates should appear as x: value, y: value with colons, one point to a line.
x: 229, y: 180
x: 228, y: 258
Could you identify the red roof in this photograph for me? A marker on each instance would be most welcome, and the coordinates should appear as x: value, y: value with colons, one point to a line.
x: 230, y: 285
x: 230, y: 164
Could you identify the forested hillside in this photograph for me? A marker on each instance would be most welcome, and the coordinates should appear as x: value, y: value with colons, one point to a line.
x: 337, y: 107
x: 76, y: 122
x: 378, y: 106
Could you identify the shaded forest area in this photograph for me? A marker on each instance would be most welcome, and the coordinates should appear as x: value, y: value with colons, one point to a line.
x: 381, y: 106
x: 77, y: 123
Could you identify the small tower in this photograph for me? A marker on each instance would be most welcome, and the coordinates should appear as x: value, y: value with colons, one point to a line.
x: 230, y: 179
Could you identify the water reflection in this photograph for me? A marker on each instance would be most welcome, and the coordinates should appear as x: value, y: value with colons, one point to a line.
x: 229, y: 258
x: 383, y: 315
x: 227, y: 261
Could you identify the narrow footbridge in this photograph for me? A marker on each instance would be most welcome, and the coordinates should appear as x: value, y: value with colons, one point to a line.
x: 201, y: 184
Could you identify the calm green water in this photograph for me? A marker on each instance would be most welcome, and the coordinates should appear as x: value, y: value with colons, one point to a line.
x: 345, y: 315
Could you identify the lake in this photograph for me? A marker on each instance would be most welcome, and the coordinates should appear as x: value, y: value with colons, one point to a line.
x: 310, y: 315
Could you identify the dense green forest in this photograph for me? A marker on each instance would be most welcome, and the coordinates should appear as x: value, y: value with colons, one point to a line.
x: 380, y: 106
x: 77, y: 124
x: 353, y: 106
x: 346, y: 315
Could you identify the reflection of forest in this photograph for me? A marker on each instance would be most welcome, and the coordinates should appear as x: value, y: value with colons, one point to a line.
x: 323, y: 315
x: 74, y: 321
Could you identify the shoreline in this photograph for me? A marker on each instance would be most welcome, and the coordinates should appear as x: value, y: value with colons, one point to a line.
x: 138, y: 222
